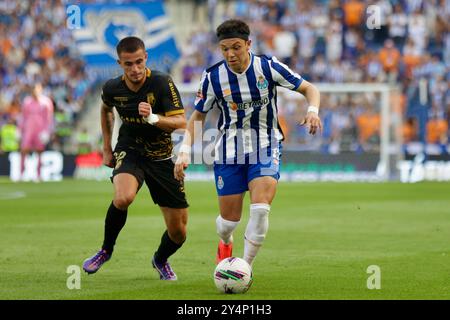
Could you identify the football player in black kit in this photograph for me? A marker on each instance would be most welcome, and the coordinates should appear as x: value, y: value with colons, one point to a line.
x: 150, y: 108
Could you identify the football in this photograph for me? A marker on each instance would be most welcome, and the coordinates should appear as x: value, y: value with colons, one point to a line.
x: 233, y: 275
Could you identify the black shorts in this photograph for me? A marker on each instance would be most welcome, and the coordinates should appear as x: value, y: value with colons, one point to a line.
x: 165, y: 190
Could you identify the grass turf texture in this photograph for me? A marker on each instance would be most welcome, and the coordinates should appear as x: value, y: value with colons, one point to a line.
x: 322, y: 238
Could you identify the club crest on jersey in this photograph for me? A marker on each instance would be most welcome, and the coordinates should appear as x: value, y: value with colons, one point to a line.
x: 262, y: 83
x: 151, y: 99
x: 220, y: 183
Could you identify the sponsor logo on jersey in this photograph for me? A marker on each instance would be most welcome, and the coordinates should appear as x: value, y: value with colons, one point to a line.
x: 121, y: 100
x: 245, y: 105
x: 175, y: 100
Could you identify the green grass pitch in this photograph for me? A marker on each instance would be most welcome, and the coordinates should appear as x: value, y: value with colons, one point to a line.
x: 322, y: 238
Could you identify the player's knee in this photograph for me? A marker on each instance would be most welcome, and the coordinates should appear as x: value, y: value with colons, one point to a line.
x: 178, y: 235
x: 265, y: 197
x: 123, y: 201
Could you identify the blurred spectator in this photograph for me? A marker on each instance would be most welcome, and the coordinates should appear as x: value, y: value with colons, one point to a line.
x: 334, y: 40
x: 374, y: 68
x: 84, y: 142
x: 9, y: 137
x: 351, y: 42
x: 398, y: 23
x: 306, y: 42
x: 411, y: 57
x: 417, y: 29
x: 63, y: 129
x: 284, y: 44
x: 409, y: 130
x: 353, y: 13
x: 36, y: 46
x: 368, y: 124
x: 319, y: 69
x: 437, y: 128
x: 390, y: 57
x: 348, y: 135
x: 199, y: 10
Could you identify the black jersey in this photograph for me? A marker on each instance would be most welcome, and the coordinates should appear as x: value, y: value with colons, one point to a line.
x: 135, y: 133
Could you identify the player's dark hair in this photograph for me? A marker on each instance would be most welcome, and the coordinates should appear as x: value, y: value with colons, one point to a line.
x: 130, y: 45
x: 233, y: 28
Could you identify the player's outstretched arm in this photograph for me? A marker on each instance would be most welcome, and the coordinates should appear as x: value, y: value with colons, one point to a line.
x: 184, y: 153
x: 107, y: 121
x: 312, y: 94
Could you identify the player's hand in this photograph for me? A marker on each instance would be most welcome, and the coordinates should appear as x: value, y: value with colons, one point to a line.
x: 108, y: 158
x: 180, y: 165
x: 312, y: 122
x: 145, y: 109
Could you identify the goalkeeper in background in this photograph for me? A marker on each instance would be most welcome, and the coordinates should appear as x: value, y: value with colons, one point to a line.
x: 35, y: 127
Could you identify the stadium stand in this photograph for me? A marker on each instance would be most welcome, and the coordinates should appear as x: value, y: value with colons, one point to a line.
x: 329, y: 41
x: 324, y: 40
x: 35, y: 46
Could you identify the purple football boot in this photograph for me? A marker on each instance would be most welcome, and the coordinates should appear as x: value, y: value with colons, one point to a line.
x: 165, y: 270
x: 92, y: 264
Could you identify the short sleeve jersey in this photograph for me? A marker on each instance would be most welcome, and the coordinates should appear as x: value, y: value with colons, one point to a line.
x: 135, y: 133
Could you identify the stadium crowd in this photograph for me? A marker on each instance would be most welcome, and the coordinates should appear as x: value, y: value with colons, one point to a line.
x: 36, y: 46
x: 334, y: 41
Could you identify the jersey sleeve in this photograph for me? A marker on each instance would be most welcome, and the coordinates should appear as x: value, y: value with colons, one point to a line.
x: 205, y: 98
x: 106, y: 96
x: 284, y: 76
x: 171, y: 99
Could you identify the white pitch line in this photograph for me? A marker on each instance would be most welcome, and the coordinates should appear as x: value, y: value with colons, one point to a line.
x: 12, y: 195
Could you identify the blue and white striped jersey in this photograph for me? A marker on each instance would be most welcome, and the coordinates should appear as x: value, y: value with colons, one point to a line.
x: 248, y: 118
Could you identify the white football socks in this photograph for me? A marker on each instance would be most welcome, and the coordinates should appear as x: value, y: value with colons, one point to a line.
x: 225, y: 229
x: 256, y: 230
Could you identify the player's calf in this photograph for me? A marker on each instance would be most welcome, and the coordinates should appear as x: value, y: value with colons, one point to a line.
x: 256, y: 230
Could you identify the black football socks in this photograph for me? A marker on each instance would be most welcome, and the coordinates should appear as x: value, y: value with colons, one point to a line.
x: 114, y: 222
x: 166, y: 248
